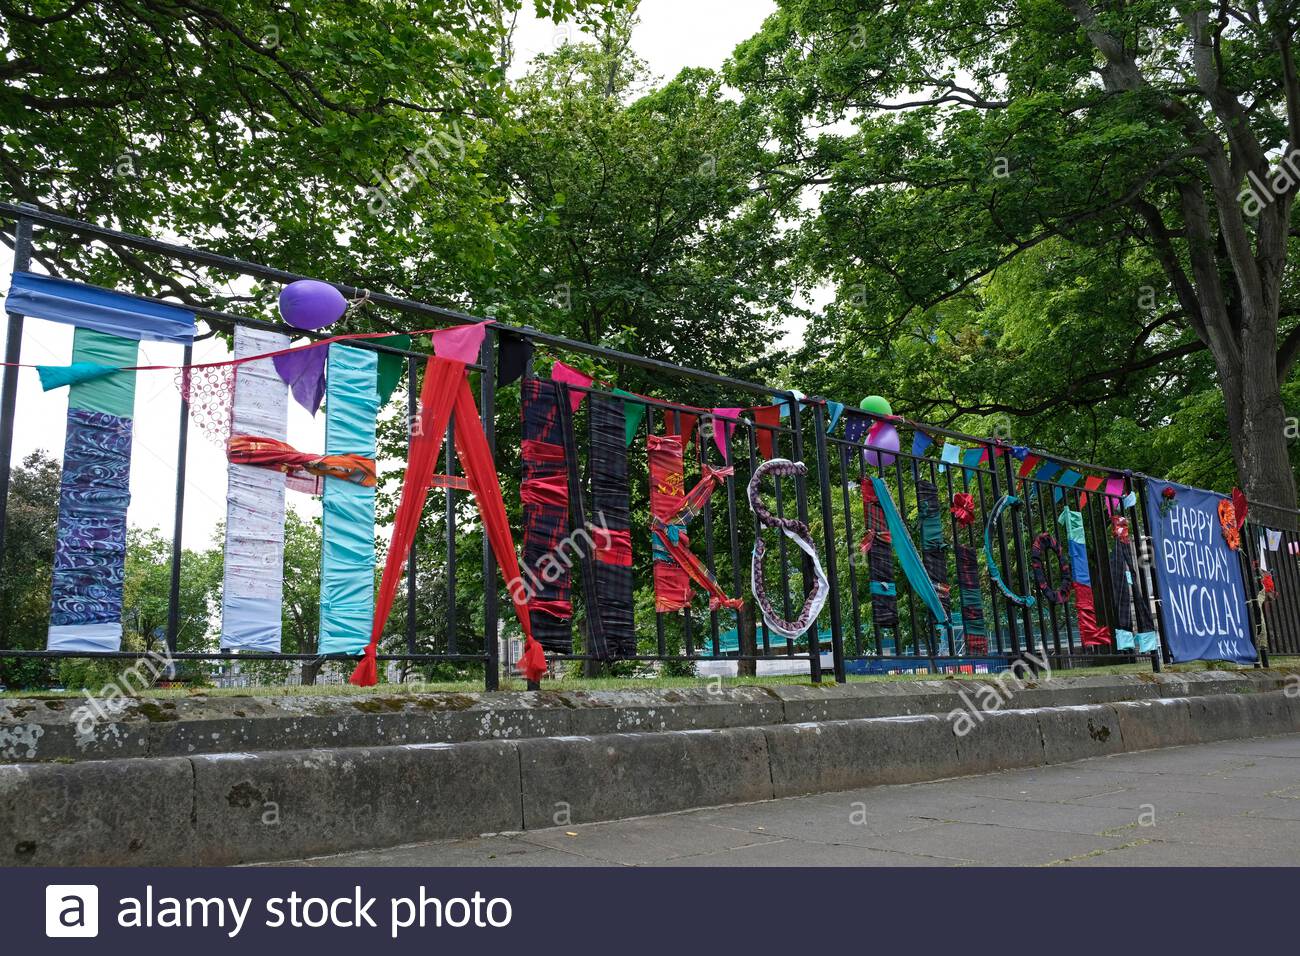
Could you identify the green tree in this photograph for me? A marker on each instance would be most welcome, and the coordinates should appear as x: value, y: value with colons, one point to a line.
x: 637, y: 222
x: 272, y: 132
x: 146, y: 592
x: 31, y: 519
x: 947, y: 140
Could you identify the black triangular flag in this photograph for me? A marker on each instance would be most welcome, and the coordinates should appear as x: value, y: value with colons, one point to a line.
x: 514, y: 352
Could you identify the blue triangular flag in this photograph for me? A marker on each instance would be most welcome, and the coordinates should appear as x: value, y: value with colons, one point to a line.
x: 920, y: 442
x: 949, y: 454
x: 835, y: 410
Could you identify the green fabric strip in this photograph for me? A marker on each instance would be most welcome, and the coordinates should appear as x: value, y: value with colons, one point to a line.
x: 112, y: 394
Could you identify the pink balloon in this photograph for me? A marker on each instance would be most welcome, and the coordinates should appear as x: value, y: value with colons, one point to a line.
x: 883, y: 436
x: 311, y: 304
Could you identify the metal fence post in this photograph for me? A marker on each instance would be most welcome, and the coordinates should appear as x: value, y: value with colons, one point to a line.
x: 828, y: 536
x: 412, y: 416
x: 182, y: 453
x: 487, y: 403
x: 9, y: 388
x: 801, y: 502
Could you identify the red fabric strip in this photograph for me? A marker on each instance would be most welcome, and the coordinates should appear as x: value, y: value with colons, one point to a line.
x: 560, y: 610
x: 613, y: 547
x: 533, y: 450
x: 551, y: 490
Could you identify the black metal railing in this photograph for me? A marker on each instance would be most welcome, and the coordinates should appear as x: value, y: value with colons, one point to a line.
x: 454, y: 573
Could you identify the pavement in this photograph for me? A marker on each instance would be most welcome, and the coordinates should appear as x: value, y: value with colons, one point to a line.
x: 1233, y: 803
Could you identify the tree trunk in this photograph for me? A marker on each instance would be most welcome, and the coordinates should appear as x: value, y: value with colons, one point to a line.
x: 309, y: 671
x: 747, y: 639
x: 1257, y: 430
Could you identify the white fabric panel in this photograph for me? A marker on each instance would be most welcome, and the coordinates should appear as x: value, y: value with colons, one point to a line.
x: 85, y: 637
x: 254, y: 573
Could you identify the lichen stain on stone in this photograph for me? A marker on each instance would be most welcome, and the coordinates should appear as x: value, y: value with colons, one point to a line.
x: 379, y: 705
x: 244, y: 795
x: 1100, y: 734
x: 23, y: 736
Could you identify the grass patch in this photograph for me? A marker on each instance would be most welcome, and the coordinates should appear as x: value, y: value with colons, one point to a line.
x: 620, y: 683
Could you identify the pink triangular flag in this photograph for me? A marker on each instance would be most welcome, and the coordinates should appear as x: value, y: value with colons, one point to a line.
x: 722, y: 430
x: 1114, y: 492
x: 462, y: 343
x: 571, y: 376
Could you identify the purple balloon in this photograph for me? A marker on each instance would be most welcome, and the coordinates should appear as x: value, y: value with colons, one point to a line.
x: 883, y: 436
x: 311, y: 304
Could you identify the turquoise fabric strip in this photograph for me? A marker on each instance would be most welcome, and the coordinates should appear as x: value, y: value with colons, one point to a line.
x: 907, y: 555
x: 347, y: 583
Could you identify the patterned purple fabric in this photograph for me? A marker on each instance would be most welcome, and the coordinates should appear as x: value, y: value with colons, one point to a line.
x: 90, y: 548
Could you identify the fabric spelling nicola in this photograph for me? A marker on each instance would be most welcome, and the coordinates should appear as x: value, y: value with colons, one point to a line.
x: 612, y: 523
x: 545, y: 495
x: 90, y: 548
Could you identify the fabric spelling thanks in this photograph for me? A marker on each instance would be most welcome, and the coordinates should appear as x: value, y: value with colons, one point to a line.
x: 545, y: 494
x: 253, y: 583
x: 611, y: 523
x: 934, y: 546
x: 880, y: 559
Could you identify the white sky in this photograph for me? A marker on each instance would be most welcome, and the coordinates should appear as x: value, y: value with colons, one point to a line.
x: 671, y: 35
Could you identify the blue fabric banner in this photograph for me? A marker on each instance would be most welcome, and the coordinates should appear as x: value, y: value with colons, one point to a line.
x: 90, y: 542
x: 90, y: 307
x: 347, y: 583
x: 1202, y: 598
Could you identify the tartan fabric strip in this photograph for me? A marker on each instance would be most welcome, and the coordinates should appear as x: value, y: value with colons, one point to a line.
x: 611, y: 511
x: 972, y: 599
x: 546, y: 517
x: 934, y: 548
x: 583, y: 543
x: 880, y: 560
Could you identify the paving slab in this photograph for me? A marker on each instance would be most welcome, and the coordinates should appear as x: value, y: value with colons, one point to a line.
x: 1084, y: 814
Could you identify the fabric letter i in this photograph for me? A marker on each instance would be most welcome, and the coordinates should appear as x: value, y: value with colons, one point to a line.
x: 254, y: 571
